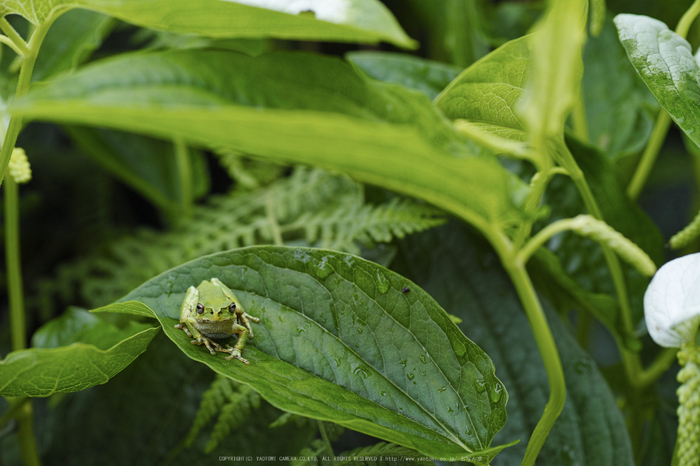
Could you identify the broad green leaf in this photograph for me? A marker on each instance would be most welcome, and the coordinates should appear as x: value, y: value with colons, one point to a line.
x: 339, y: 341
x: 103, y: 352
x: 557, y: 68
x: 336, y: 20
x: 429, y: 77
x: 70, y: 41
x: 618, y: 104
x: 665, y: 62
x: 591, y: 430
x: 150, y: 407
x: 146, y: 164
x: 486, y: 94
x: 375, y: 132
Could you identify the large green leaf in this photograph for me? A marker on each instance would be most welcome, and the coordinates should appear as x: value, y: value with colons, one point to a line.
x: 665, y: 62
x: 486, y: 93
x: 337, y: 20
x: 103, y: 351
x: 292, y: 107
x: 591, y: 430
x: 428, y: 76
x: 339, y: 340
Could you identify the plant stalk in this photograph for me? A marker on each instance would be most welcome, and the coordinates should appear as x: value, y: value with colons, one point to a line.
x: 13, y: 36
x: 327, y: 441
x: 13, y: 266
x: 515, y: 268
x: 184, y: 170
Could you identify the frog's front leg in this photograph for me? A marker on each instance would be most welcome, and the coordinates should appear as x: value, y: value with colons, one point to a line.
x: 242, y: 318
x: 235, y: 352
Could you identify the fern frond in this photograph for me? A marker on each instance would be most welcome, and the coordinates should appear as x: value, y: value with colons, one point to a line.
x: 310, y: 454
x: 234, y: 412
x: 227, y: 401
x: 213, y: 399
x: 248, y: 173
x: 341, y: 228
x: 226, y: 222
x: 380, y: 454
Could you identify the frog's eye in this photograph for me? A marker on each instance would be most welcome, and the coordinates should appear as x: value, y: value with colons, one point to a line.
x: 232, y: 307
x: 200, y: 308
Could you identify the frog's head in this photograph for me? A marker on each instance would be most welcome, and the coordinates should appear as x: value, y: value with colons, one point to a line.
x: 214, y: 304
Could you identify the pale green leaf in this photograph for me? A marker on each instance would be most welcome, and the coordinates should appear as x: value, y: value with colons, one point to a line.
x: 339, y: 341
x: 284, y: 106
x: 101, y: 351
x: 487, y: 93
x: 665, y: 62
x: 336, y: 20
x: 70, y: 41
x: 557, y: 68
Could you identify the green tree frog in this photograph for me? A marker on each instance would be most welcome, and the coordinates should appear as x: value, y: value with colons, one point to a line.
x: 212, y: 311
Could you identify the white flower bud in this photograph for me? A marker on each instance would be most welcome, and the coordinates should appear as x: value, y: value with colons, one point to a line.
x: 672, y: 302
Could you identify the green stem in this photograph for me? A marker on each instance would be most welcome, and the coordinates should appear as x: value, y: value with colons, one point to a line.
x: 657, y: 368
x: 687, y: 19
x: 25, y: 78
x: 542, y: 237
x: 578, y: 118
x: 327, y: 441
x: 13, y: 266
x: 651, y: 152
x: 12, y: 412
x: 663, y: 121
x: 18, y: 328
x: 13, y: 36
x: 184, y: 170
x: 5, y: 40
x: 545, y: 343
x: 27, y: 442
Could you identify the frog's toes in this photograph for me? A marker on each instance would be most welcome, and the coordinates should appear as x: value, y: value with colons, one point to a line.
x: 184, y: 327
x: 236, y: 353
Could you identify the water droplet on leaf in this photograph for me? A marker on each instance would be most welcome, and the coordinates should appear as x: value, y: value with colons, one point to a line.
x: 362, y: 371
x: 495, y: 392
x: 382, y: 282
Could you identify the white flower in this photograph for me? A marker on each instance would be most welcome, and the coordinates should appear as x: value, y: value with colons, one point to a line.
x: 672, y: 302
